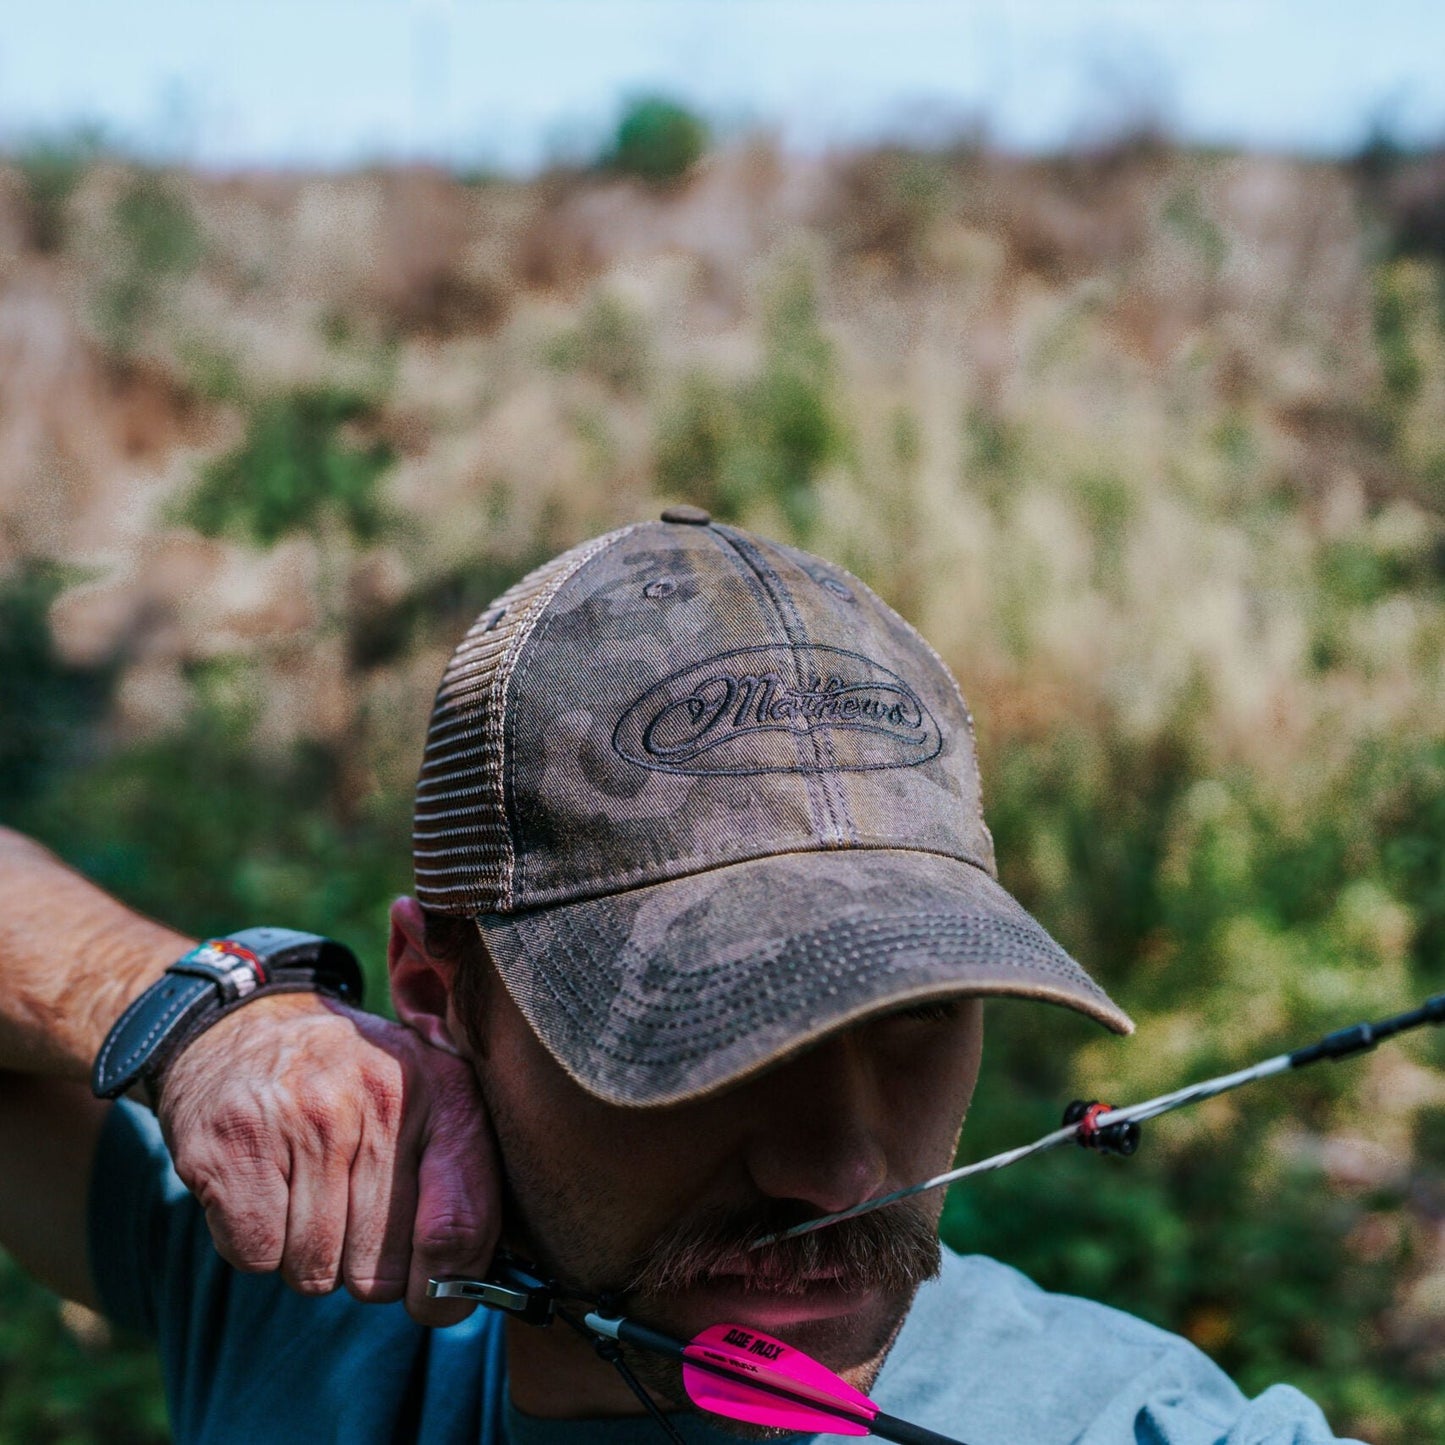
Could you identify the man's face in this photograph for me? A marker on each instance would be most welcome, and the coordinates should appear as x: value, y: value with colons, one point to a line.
x: 657, y: 1204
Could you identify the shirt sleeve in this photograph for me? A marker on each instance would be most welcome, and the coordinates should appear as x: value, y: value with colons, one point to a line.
x: 988, y: 1355
x: 333, y: 1368
x: 146, y: 1231
x: 1185, y: 1399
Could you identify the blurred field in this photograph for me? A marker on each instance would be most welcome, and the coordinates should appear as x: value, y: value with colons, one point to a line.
x: 1150, y: 443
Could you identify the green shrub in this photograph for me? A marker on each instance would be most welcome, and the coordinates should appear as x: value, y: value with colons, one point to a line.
x: 47, y: 708
x: 766, y: 439
x: 887, y: 205
x: 1408, y: 829
x: 1185, y: 216
x: 52, y: 167
x: 58, y: 1389
x: 1108, y: 507
x: 294, y: 470
x: 609, y: 342
x: 205, y: 828
x: 993, y: 453
x: 657, y: 140
x: 154, y: 242
x: 1400, y: 363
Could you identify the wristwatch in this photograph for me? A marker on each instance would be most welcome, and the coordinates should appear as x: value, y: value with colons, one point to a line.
x: 212, y: 980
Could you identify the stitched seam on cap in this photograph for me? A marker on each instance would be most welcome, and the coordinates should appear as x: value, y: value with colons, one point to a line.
x: 797, y: 635
x: 732, y: 549
x: 703, y: 1023
x: 823, y: 737
x: 820, y: 803
x: 645, y: 875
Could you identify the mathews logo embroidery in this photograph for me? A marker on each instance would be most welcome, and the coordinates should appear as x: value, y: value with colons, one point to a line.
x: 766, y: 710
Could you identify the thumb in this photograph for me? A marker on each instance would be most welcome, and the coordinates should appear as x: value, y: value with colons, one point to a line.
x: 458, y: 1209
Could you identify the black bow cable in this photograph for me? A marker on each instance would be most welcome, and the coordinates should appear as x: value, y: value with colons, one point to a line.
x: 609, y: 1350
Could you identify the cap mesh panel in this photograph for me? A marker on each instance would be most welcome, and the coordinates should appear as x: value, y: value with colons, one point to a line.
x: 461, y: 842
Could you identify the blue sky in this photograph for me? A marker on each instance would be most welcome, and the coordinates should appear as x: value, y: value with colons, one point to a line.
x: 511, y: 82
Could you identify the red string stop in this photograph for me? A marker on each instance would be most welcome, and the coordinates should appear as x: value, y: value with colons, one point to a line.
x: 1121, y: 1139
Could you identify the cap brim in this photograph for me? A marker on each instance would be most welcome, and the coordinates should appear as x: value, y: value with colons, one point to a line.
x: 661, y: 994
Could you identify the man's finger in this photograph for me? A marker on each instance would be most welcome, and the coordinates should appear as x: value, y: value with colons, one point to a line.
x: 246, y: 1209
x: 316, y: 1221
x: 377, y: 1256
x: 458, y: 1210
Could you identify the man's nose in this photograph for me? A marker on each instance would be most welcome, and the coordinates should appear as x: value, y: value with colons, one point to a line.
x: 819, y: 1136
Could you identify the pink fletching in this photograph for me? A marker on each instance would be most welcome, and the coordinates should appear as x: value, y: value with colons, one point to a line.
x: 756, y: 1364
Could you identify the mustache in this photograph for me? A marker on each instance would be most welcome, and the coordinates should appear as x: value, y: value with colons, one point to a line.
x: 894, y: 1249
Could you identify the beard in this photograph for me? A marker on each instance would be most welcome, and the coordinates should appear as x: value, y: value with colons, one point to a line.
x: 575, y: 1229
x: 886, y: 1255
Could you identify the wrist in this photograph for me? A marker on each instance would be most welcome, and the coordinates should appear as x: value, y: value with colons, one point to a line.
x: 58, y: 1036
x: 204, y: 986
x: 128, y: 971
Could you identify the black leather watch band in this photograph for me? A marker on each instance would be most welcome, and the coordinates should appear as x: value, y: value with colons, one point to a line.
x: 211, y: 981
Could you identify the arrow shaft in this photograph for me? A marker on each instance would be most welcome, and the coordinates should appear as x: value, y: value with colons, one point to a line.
x: 1341, y: 1044
x: 890, y: 1427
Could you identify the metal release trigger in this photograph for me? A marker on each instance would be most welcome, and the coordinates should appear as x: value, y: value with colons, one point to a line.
x: 511, y: 1289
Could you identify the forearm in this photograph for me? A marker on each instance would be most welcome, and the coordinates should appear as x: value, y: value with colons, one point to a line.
x: 71, y: 959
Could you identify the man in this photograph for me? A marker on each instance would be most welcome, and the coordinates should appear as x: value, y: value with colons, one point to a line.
x: 705, y: 913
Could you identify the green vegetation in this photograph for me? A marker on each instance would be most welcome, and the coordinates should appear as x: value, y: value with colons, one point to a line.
x: 1184, y: 215
x: 45, y: 706
x: 64, y: 1386
x: 761, y: 444
x: 1108, y: 507
x: 1400, y: 363
x: 993, y: 454
x: 154, y: 242
x: 295, y: 470
x: 890, y: 203
x: 52, y: 167
x: 204, y: 826
x: 657, y: 140
x: 609, y: 342
x: 1190, y: 569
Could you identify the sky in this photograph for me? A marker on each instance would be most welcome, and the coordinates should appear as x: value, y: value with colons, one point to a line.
x: 511, y: 84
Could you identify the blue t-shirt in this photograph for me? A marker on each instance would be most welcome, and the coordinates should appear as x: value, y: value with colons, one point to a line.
x: 984, y: 1356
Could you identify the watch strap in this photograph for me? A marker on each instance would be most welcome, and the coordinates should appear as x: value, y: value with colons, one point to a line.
x: 202, y: 987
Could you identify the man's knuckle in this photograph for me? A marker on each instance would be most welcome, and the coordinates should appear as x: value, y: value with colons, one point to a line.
x: 376, y: 1288
x: 376, y: 1151
x: 239, y: 1131
x: 247, y: 1245
x: 447, y: 1235
x: 327, y: 1118
x: 383, y: 1094
x: 312, y: 1282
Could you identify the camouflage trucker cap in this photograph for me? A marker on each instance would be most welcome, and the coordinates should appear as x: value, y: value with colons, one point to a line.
x: 709, y: 799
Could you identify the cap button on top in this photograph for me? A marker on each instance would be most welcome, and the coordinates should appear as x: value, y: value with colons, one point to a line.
x: 692, y: 516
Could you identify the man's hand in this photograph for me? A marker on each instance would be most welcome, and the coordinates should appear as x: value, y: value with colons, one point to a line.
x: 338, y: 1148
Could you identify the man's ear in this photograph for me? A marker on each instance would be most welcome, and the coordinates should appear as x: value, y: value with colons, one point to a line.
x: 421, y: 981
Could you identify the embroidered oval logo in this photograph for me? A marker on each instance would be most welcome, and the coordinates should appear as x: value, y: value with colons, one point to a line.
x: 775, y: 709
